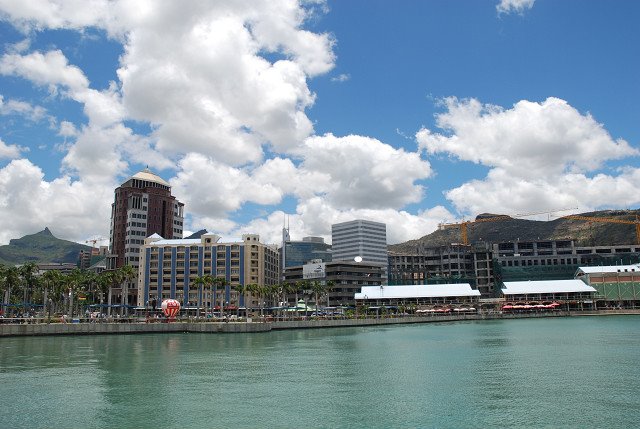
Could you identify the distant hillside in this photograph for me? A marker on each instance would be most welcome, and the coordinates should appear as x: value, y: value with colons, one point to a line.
x: 585, y: 233
x: 41, y: 247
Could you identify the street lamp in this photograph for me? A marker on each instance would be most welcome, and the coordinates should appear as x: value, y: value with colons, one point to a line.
x: 49, y: 303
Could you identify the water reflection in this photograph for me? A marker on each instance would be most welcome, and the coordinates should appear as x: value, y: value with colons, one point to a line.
x: 544, y: 373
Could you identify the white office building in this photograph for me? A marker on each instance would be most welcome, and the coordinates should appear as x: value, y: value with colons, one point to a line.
x: 360, y: 239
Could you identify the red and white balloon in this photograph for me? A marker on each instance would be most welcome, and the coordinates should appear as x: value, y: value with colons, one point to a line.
x: 170, y: 308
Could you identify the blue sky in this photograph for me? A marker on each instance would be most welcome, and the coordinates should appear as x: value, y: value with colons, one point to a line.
x: 411, y: 113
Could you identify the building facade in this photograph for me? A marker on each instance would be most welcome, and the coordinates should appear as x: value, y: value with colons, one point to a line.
x: 143, y: 206
x: 169, y: 268
x: 486, y: 266
x: 296, y: 253
x: 360, y: 239
x: 347, y: 279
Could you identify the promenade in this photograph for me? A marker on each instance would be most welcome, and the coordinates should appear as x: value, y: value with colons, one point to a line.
x: 38, y: 327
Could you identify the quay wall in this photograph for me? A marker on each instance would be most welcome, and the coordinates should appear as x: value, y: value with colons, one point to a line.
x: 36, y: 329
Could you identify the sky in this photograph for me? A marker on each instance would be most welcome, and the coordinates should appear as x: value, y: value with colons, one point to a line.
x: 411, y: 113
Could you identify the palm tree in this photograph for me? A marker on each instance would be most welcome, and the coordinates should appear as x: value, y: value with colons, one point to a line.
x: 328, y: 288
x: 103, y: 283
x: 27, y: 274
x: 242, y: 291
x: 50, y: 280
x: 115, y: 279
x: 252, y: 288
x: 11, y: 279
x: 202, y: 282
x: 128, y: 274
x: 219, y: 282
x: 318, y: 289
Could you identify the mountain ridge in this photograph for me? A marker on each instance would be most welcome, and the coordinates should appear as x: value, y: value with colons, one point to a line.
x: 41, y: 247
x: 583, y: 232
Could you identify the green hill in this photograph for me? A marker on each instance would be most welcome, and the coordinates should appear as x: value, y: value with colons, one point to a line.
x: 41, y: 247
x: 584, y: 233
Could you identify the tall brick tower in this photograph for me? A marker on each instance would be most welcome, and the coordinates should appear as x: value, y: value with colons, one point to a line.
x: 143, y: 206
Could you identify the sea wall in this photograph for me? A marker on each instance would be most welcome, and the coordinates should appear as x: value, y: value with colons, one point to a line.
x: 127, y: 328
x: 35, y: 329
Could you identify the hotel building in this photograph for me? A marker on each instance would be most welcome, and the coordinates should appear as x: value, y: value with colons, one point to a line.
x: 169, y: 269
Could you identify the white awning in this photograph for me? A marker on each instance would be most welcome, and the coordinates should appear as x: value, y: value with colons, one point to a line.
x: 416, y: 291
x: 545, y: 286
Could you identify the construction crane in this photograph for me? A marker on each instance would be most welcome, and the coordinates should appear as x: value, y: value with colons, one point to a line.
x: 635, y: 222
x: 93, y: 242
x: 464, y: 224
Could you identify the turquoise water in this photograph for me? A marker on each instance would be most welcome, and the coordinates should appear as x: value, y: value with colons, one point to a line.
x: 557, y: 372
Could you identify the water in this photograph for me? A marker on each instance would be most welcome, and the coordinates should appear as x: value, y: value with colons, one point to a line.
x: 557, y: 372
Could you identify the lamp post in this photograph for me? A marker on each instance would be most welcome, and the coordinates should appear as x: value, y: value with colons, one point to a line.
x: 49, y: 304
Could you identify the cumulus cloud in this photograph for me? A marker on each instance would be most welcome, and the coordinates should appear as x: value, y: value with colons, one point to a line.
x: 199, y: 74
x: 22, y: 108
x: 209, y: 187
x: 537, y: 153
x: 9, y: 151
x: 514, y: 6
x: 74, y: 210
x: 362, y: 172
x: 315, y: 216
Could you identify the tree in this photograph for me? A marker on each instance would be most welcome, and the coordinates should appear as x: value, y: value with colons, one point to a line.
x: 318, y: 289
x: 328, y: 288
x: 10, y: 279
x: 128, y: 273
x: 27, y: 273
x: 50, y: 280
x: 115, y: 279
x: 219, y: 282
x: 242, y: 290
x: 202, y: 282
x: 252, y: 288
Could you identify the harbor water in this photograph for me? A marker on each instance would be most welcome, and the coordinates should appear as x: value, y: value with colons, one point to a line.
x: 537, y: 373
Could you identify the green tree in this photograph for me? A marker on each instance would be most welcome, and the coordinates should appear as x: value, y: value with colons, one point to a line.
x: 202, y: 282
x: 27, y: 273
x: 222, y: 283
x: 318, y: 289
x: 10, y: 279
x: 128, y: 274
x: 51, y: 280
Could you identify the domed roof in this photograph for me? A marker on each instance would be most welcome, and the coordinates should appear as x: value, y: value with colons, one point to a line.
x: 147, y: 175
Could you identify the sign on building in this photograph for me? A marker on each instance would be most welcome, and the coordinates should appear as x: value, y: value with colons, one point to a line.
x: 314, y: 271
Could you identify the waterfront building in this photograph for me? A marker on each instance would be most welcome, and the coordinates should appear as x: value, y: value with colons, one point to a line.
x: 616, y: 285
x: 421, y: 297
x: 297, y: 253
x: 486, y: 266
x: 362, y: 239
x: 569, y: 294
x: 169, y: 269
x: 347, y: 279
x: 143, y: 206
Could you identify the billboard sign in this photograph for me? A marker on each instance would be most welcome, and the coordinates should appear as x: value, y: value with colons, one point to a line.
x: 314, y: 271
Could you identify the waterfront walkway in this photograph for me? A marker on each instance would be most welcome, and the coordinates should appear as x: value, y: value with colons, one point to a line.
x: 36, y: 327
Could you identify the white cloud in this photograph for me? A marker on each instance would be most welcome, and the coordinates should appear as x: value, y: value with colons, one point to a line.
x: 199, y: 76
x: 50, y: 69
x: 362, y: 172
x: 9, y: 151
x: 341, y: 78
x: 73, y: 210
x: 514, y: 6
x: 22, y: 108
x: 542, y: 156
x: 212, y: 189
x: 551, y: 137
